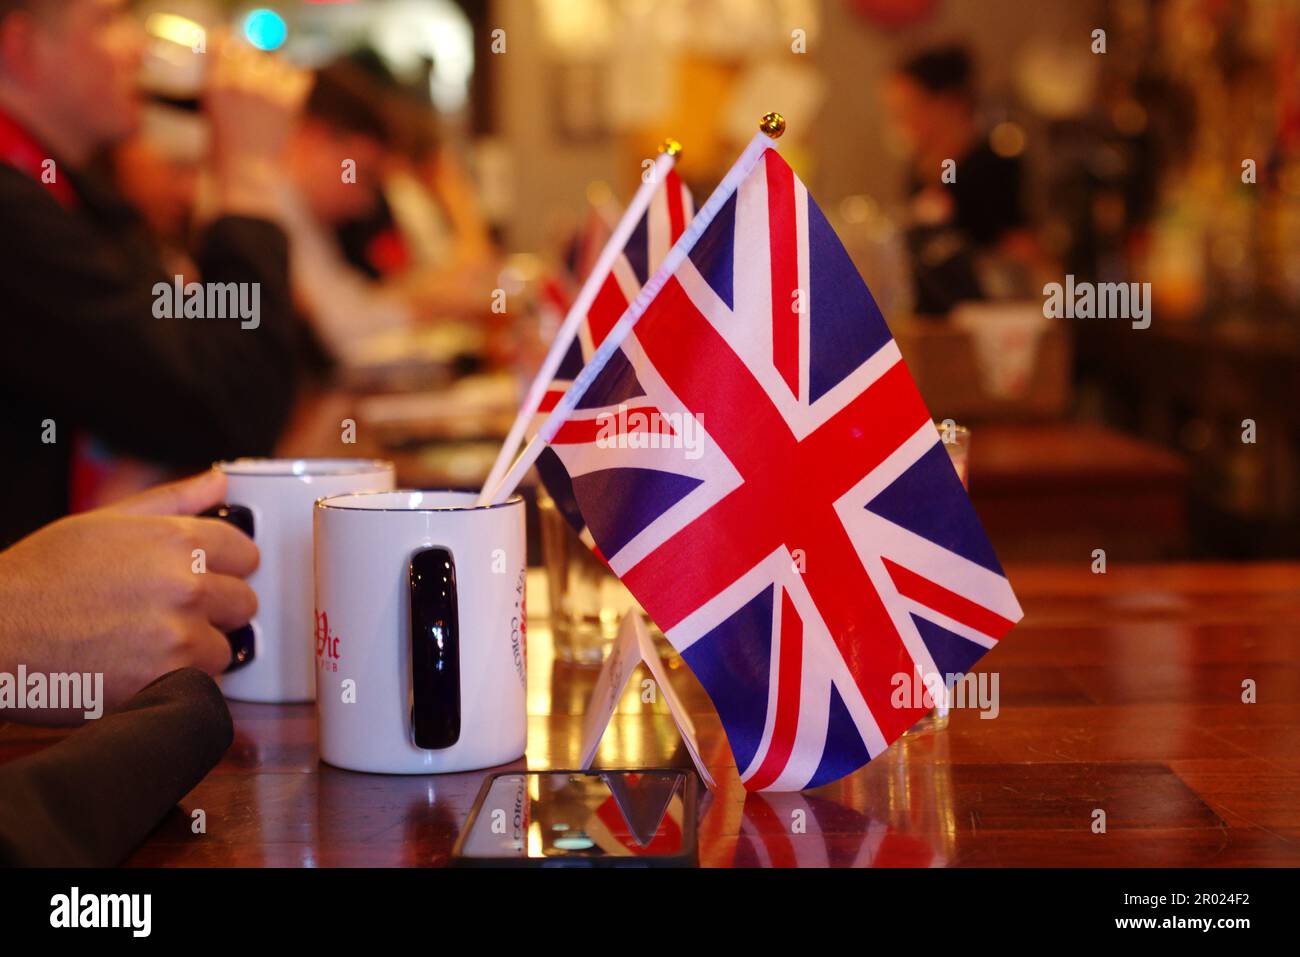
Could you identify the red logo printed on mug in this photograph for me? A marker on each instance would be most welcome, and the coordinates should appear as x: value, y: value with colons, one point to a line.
x: 327, y: 644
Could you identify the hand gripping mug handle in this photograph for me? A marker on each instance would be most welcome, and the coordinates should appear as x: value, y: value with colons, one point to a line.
x: 242, y: 640
x: 435, y: 650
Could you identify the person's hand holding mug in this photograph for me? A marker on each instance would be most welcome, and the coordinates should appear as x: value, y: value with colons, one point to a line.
x: 252, y: 100
x: 134, y: 590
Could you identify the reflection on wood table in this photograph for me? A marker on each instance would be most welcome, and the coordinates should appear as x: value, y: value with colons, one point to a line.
x: 1119, y: 692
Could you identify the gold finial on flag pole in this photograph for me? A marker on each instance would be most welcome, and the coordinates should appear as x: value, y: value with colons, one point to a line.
x: 773, y: 124
x: 671, y: 147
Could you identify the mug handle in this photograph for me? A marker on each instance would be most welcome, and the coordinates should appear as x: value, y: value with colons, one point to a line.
x: 435, y: 649
x: 242, y: 640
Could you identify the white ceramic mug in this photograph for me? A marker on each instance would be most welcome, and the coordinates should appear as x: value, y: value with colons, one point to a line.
x: 420, y: 607
x: 272, y: 501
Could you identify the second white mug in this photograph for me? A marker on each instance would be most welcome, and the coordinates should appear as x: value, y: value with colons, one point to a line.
x: 271, y: 500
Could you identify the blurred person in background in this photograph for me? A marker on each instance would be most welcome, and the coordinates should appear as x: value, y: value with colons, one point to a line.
x: 429, y: 221
x: 336, y: 158
x: 371, y: 251
x: 980, y: 215
x: 159, y: 170
x: 86, y: 354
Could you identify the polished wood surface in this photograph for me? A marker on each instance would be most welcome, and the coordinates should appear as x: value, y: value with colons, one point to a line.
x: 1120, y: 692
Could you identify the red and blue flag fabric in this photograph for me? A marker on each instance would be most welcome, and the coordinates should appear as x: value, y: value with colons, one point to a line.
x: 752, y: 458
x: 667, y: 215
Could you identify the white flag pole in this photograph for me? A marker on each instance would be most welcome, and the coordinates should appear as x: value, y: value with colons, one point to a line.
x: 581, y: 306
x: 703, y: 219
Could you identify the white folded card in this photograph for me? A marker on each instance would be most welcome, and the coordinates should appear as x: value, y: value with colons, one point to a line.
x: 631, y: 647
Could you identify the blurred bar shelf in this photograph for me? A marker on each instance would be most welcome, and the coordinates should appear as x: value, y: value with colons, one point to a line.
x: 1189, y: 387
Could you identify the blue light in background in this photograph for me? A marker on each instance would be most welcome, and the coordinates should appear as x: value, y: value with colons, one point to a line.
x: 265, y: 29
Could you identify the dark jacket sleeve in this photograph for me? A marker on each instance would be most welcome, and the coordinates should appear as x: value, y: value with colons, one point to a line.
x: 80, y: 333
x: 88, y: 800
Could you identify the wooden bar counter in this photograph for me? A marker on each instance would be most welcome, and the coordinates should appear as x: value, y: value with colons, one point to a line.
x: 1119, y: 692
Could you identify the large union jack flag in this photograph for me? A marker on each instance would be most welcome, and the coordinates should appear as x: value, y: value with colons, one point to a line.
x: 666, y: 217
x: 813, y: 551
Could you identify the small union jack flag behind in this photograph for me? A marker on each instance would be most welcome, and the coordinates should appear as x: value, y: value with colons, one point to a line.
x: 665, y: 220
x: 754, y: 461
x: 584, y: 249
x: 560, y: 284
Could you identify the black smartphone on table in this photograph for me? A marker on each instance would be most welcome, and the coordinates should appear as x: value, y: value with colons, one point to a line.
x: 597, y: 818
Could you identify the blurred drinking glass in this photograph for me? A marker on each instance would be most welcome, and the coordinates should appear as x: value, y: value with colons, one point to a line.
x: 956, y: 439
x: 587, y: 601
